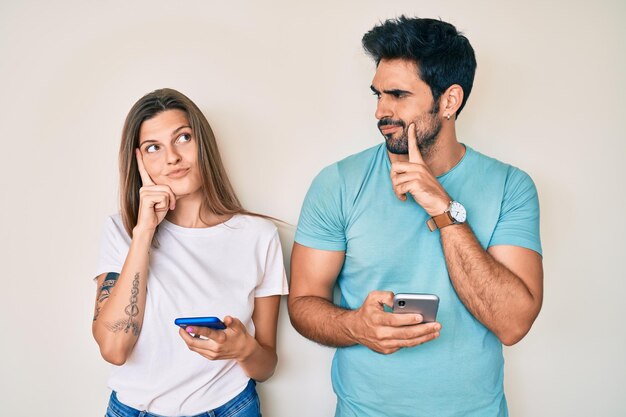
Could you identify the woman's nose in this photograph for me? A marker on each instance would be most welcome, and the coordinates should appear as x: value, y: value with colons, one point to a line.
x: 173, y: 157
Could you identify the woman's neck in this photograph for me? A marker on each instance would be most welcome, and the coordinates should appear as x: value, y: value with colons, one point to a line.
x: 190, y: 213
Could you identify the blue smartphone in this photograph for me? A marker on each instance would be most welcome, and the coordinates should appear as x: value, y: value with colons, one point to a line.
x: 210, y: 322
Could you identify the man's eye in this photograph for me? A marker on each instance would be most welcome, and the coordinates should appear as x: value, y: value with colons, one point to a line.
x: 377, y: 95
x: 152, y: 148
x: 185, y: 137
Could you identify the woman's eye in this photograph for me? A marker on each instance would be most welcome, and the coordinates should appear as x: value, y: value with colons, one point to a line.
x: 152, y: 148
x: 185, y: 137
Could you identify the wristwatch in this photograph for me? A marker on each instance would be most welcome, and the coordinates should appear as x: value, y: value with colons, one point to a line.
x: 455, y: 214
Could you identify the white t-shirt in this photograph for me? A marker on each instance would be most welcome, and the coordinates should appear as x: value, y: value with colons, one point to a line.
x: 214, y: 271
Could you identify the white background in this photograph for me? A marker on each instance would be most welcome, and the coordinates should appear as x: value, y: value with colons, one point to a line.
x: 285, y: 86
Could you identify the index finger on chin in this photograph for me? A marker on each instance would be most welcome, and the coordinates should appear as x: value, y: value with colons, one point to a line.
x: 414, y: 153
x: 145, y: 177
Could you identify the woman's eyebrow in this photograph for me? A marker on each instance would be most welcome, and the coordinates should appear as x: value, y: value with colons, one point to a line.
x: 147, y: 141
x: 180, y: 128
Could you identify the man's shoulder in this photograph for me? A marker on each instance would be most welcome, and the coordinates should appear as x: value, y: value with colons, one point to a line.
x: 338, y: 179
x: 480, y: 159
x: 491, y: 164
x: 358, y: 162
x: 365, y: 155
x: 490, y: 169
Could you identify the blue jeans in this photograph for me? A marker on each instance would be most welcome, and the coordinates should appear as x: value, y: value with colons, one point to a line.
x: 245, y: 404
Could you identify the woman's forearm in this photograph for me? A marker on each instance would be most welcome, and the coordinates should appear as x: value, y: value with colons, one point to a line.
x: 259, y: 363
x: 120, y: 306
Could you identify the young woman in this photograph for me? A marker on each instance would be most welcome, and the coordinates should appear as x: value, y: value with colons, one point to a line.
x: 182, y: 247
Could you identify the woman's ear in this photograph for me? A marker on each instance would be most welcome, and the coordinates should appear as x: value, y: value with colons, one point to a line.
x: 450, y: 101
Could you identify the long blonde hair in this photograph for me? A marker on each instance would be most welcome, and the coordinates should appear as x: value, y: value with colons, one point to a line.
x: 218, y: 194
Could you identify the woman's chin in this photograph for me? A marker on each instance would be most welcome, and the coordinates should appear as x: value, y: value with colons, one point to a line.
x: 186, y: 193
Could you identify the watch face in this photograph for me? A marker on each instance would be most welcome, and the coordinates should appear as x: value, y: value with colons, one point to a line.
x: 457, y: 211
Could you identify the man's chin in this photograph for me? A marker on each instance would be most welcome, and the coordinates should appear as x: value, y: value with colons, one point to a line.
x: 396, y: 146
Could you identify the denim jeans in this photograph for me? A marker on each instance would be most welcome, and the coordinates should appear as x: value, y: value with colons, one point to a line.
x: 245, y: 404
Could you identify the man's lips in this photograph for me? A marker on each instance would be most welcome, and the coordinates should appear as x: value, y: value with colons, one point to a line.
x: 389, y: 129
x: 178, y: 173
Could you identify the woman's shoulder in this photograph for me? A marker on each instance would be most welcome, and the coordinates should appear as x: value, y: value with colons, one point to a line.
x: 113, y: 232
x: 114, y: 224
x: 115, y: 218
x: 255, y: 224
x: 114, y: 221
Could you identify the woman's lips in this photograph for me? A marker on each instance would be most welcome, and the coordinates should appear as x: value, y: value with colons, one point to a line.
x: 179, y: 173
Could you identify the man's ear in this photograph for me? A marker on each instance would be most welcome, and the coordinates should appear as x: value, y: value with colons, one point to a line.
x: 450, y: 102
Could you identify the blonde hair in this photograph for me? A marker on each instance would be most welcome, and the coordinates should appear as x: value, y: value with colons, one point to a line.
x: 218, y: 194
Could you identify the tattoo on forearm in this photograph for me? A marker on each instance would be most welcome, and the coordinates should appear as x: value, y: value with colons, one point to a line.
x: 105, y: 291
x: 109, y: 282
x: 132, y: 310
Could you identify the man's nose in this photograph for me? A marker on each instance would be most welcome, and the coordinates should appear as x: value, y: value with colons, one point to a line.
x: 383, y: 109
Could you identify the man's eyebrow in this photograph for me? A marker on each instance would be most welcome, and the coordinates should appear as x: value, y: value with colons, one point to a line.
x: 397, y: 91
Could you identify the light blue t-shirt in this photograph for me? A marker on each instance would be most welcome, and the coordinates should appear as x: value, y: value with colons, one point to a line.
x: 351, y: 207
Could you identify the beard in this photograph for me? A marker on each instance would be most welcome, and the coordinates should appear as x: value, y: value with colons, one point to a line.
x: 427, y: 129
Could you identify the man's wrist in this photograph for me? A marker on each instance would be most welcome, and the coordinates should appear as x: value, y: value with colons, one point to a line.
x: 454, y: 214
x: 348, y: 325
x: 441, y: 207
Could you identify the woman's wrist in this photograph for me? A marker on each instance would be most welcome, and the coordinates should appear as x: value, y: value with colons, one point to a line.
x: 250, y: 346
x: 143, y: 232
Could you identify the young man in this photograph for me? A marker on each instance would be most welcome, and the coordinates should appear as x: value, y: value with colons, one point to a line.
x: 422, y: 213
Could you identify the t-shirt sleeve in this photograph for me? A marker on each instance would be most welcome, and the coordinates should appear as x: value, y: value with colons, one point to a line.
x: 321, y: 223
x: 274, y: 280
x: 518, y: 224
x: 113, y: 247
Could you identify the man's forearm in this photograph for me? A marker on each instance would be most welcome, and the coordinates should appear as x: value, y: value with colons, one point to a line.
x: 497, y: 297
x: 321, y: 321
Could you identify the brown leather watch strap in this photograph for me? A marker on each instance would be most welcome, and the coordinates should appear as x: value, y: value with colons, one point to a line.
x: 439, y: 221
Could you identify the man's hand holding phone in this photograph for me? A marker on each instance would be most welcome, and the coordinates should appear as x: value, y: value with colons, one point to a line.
x: 234, y: 342
x: 385, y: 332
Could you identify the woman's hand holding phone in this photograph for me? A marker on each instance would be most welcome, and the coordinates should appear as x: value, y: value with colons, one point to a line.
x: 232, y: 343
x: 154, y: 200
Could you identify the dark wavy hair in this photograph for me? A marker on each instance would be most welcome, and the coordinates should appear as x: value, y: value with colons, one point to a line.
x: 443, y: 55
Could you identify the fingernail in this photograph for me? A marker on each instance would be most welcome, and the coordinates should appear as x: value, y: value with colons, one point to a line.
x: 189, y: 329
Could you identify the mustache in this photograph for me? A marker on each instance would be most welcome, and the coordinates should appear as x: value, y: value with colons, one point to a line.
x: 390, y: 122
